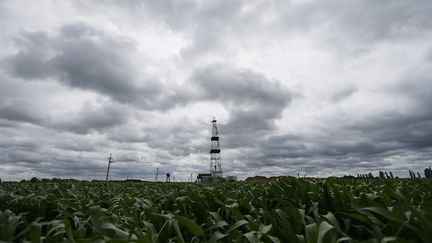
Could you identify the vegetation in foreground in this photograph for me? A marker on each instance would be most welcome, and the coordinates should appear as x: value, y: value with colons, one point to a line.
x: 284, y: 210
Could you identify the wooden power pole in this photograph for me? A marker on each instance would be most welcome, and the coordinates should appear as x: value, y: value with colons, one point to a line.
x: 110, y: 160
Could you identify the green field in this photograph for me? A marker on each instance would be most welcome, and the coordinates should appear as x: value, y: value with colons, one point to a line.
x: 285, y: 210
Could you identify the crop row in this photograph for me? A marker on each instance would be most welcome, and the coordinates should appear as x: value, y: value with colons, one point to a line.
x: 285, y: 210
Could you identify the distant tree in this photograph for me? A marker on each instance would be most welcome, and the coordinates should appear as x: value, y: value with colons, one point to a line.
x: 370, y: 176
x: 391, y: 174
x: 381, y: 174
x: 418, y: 174
x: 412, y: 174
x: 34, y: 179
x: 386, y: 175
x: 428, y: 172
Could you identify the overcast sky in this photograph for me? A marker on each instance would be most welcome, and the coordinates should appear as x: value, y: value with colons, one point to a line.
x: 323, y: 88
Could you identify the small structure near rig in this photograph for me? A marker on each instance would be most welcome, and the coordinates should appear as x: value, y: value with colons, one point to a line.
x: 216, y: 173
x: 204, y: 177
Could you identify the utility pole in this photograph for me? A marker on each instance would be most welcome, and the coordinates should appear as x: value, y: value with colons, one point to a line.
x: 157, y: 174
x: 110, y: 160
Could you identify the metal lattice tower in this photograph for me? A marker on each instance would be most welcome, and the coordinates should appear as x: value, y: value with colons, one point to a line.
x: 215, y: 159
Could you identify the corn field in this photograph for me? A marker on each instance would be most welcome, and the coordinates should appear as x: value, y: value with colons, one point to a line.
x: 284, y: 210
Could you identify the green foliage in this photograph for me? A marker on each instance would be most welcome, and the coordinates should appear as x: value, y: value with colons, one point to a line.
x: 284, y: 210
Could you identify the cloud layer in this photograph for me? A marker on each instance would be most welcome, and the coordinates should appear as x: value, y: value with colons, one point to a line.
x: 298, y: 87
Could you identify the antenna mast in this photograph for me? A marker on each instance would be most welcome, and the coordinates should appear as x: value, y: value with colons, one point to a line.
x: 110, y: 160
x: 215, y: 159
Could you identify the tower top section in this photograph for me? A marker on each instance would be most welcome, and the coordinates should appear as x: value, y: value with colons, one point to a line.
x: 215, y: 131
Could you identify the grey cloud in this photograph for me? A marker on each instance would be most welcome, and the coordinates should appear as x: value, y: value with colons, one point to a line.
x: 410, y: 125
x: 27, y: 145
x: 184, y: 14
x: 26, y: 157
x: 401, y: 132
x: 177, y: 139
x: 353, y: 146
x: 207, y: 23
x: 91, y: 118
x: 241, y: 86
x: 82, y: 57
x: 361, y: 20
x: 354, y: 26
x: 347, y: 25
x: 177, y: 14
x: 203, y: 42
x: 253, y: 100
x: 380, y: 142
x: 75, y: 144
x: 343, y: 93
x: 395, y: 132
x: 21, y: 111
x: 41, y: 152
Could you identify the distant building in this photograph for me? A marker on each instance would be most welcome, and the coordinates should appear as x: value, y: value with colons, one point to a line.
x: 204, y: 177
